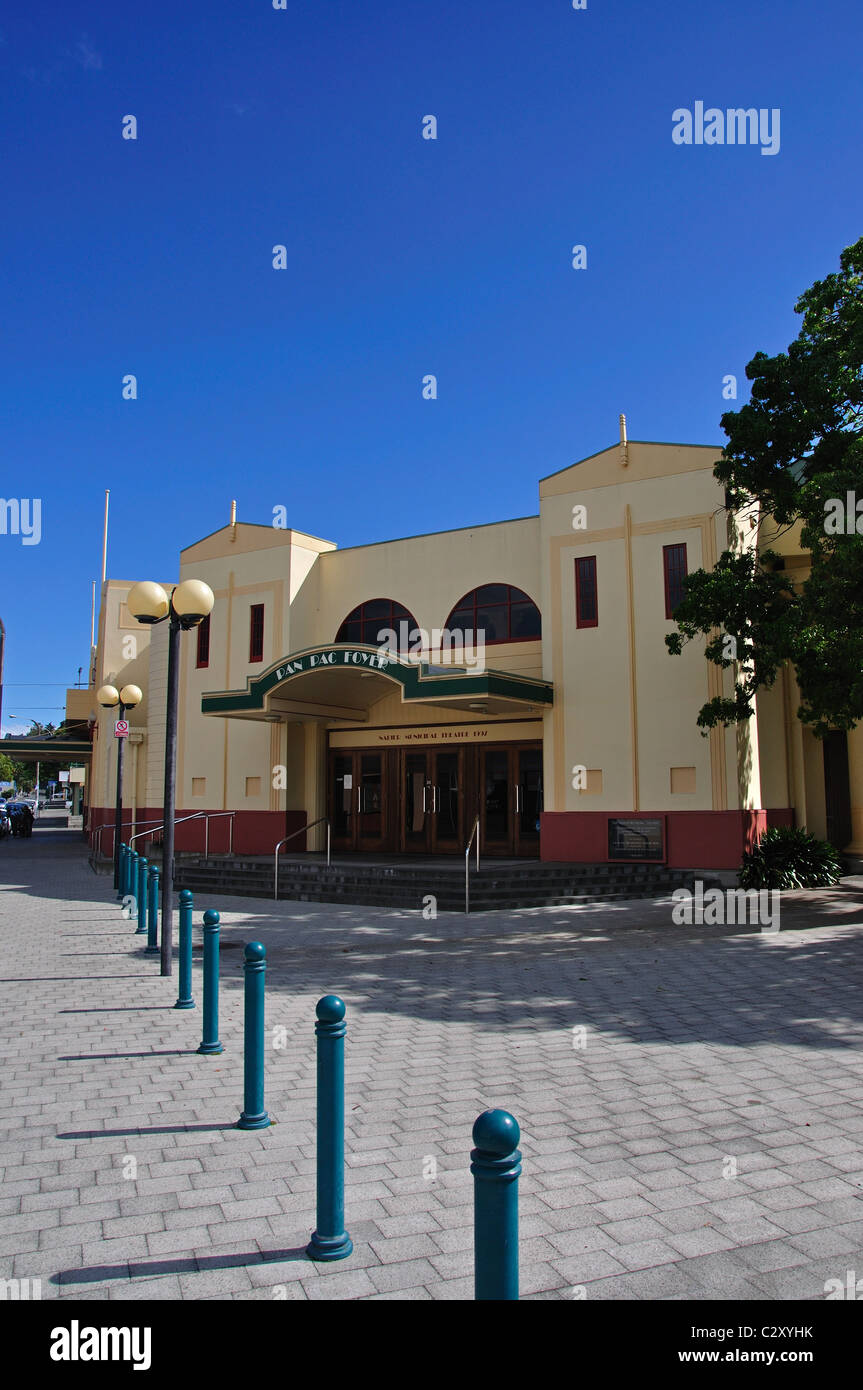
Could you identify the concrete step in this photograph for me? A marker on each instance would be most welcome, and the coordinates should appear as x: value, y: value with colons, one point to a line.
x: 387, y: 885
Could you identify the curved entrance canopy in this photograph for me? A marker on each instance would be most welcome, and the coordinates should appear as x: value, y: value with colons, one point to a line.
x: 343, y: 681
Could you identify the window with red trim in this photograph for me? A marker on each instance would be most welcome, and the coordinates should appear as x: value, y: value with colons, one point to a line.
x: 674, y: 571
x: 256, y: 632
x: 586, y: 601
x: 500, y: 611
x: 377, y: 615
x: 203, y: 658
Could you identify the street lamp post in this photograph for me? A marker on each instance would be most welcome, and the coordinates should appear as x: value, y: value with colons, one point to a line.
x: 188, y: 605
x: 110, y: 697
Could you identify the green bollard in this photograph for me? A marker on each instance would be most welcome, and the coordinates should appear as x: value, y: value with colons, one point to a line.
x: 184, y: 997
x: 496, y: 1166
x: 254, y: 1115
x: 210, y: 1044
x: 153, y: 913
x: 142, y: 897
x: 131, y: 874
x: 330, y: 1240
x: 121, y: 876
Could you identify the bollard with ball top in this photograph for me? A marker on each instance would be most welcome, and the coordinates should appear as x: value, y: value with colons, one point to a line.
x: 496, y: 1166
x: 254, y: 1115
x: 330, y: 1240
x: 124, y: 872
x: 153, y: 912
x: 132, y: 874
x: 210, y: 1044
x: 184, y: 996
x: 141, y: 896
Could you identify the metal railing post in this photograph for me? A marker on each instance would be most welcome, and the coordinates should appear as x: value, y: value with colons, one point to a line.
x: 475, y: 832
x: 303, y: 830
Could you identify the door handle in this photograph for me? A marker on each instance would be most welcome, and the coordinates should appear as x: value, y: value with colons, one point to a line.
x: 517, y: 798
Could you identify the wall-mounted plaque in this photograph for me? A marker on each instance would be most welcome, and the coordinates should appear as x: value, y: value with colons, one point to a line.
x: 635, y: 839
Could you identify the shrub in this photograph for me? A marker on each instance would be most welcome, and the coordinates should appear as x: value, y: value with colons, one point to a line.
x: 787, y: 858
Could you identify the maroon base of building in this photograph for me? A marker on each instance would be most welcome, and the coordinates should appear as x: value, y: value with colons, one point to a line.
x: 254, y: 832
x: 691, y: 839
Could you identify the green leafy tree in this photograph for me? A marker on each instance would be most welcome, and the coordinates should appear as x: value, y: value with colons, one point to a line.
x: 796, y: 449
x: 11, y: 771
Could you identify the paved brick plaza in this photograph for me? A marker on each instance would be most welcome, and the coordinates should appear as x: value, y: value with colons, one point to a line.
x: 701, y: 1045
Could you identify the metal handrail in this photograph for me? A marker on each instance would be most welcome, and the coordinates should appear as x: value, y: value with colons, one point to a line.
x: 109, y: 825
x: 206, y: 816
x: 475, y: 832
x: 214, y: 815
x: 302, y: 830
x: 161, y: 826
x: 96, y: 849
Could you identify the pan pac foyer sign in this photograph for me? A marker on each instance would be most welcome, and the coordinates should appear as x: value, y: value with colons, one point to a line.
x: 374, y: 661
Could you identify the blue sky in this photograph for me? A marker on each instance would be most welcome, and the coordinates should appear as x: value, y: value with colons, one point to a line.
x: 406, y: 257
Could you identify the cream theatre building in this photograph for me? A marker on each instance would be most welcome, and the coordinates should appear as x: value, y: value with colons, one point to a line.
x: 513, y: 672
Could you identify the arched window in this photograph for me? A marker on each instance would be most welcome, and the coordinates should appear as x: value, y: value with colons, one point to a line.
x: 502, y: 612
x: 374, y: 617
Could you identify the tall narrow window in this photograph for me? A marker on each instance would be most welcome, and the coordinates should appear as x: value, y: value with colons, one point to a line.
x: 256, y: 632
x: 204, y: 642
x: 586, y: 603
x: 674, y: 569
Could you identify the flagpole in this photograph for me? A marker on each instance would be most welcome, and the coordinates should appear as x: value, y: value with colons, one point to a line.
x: 105, y: 538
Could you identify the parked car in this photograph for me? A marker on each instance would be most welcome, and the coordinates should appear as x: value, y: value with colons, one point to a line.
x: 5, y: 821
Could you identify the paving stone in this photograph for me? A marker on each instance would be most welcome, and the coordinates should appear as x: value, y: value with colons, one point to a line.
x: 406, y: 1274
x: 622, y: 1194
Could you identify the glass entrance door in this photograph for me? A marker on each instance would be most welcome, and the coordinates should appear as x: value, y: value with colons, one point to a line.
x: 370, y: 801
x: 416, y: 803
x: 494, y: 791
x: 432, y: 802
x: 447, y: 802
x: 528, y: 799
x: 357, y: 801
x: 510, y: 799
x: 341, y: 798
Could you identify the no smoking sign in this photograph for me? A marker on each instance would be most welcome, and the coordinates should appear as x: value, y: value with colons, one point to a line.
x: 121, y: 728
